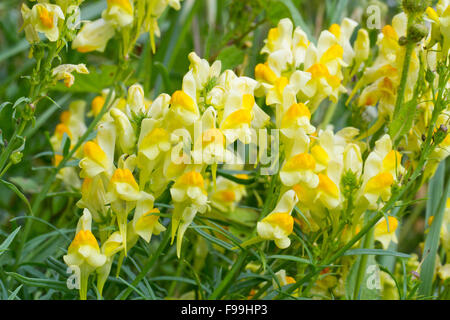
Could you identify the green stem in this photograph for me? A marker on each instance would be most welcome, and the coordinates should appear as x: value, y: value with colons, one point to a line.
x: 148, y: 265
x: 231, y: 275
x: 6, y: 169
x: 328, y: 116
x: 6, y: 154
x: 402, y: 86
x: 368, y: 239
x: 84, y: 277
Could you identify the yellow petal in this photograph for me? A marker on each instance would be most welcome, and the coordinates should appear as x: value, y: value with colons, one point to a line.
x: 124, y: 176
x: 302, y: 161
x: 93, y: 151
x: 379, y: 182
x: 281, y: 219
x: 328, y: 186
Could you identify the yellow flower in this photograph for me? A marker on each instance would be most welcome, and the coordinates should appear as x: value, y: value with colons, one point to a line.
x: 279, y: 224
x: 30, y: 31
x: 202, y: 72
x: 362, y: 46
x: 136, y: 99
x: 184, y: 107
x: 72, y: 124
x: 283, y: 279
x: 190, y: 197
x: 293, y: 118
x: 381, y: 169
x: 299, y: 168
x: 124, y: 185
x: 440, y: 27
x: 385, y: 233
x: 264, y: 73
x: 145, y: 221
x: 64, y: 72
x: 123, y: 192
x: 328, y: 191
x: 119, y: 12
x: 227, y: 194
x: 93, y: 36
x: 154, y: 10
x: 153, y: 139
x: 241, y: 114
x: 210, y: 147
x: 45, y: 17
x: 279, y: 37
x: 99, y: 154
x: 125, y: 132
x: 352, y: 159
x: 97, y: 104
x: 444, y: 271
x: 384, y: 74
x: 93, y: 197
x: 343, y: 34
x: 83, y: 255
x: 190, y: 187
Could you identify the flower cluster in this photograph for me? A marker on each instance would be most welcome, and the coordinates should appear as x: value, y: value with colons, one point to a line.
x: 171, y: 148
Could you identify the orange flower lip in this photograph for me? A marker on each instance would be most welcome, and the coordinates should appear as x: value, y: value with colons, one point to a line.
x: 282, y: 219
x: 192, y: 178
x: 83, y: 237
x: 124, y: 176
x: 46, y: 17
x: 302, y: 161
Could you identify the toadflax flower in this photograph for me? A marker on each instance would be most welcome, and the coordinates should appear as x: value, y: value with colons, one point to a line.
x: 44, y: 18
x: 93, y: 36
x: 64, y: 72
x: 119, y: 12
x: 385, y: 233
x: 381, y: 169
x: 123, y: 192
x: 279, y: 224
x: 84, y: 254
x: 189, y: 196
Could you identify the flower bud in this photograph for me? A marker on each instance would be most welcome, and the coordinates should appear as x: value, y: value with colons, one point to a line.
x: 16, y: 157
x: 362, y: 45
x: 440, y: 134
x: 417, y: 32
x: 352, y: 159
x: 126, y: 135
x: 402, y: 41
x: 415, y: 7
x: 135, y: 99
x: 430, y: 76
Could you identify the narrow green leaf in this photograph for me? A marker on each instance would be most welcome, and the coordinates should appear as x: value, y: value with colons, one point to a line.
x: 5, y: 244
x: 40, y: 283
x: 4, y: 104
x: 431, y: 246
x: 18, y: 193
x: 27, y: 185
x: 376, y: 252
x: 435, y: 188
x: 65, y: 144
x: 15, y: 292
x: 291, y: 258
x: 338, y: 12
